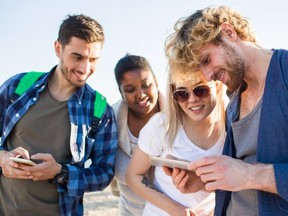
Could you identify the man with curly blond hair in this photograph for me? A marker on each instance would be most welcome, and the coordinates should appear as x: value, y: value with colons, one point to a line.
x: 250, y: 178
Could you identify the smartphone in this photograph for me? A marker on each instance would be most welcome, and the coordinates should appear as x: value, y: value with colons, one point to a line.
x: 169, y: 162
x: 22, y: 161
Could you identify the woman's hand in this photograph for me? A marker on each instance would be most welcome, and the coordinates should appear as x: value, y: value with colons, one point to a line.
x: 184, y: 180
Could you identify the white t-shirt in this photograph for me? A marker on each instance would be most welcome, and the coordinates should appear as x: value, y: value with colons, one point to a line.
x: 151, y: 141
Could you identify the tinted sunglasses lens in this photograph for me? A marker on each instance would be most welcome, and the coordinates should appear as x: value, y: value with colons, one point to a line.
x: 181, y: 96
x: 202, y: 91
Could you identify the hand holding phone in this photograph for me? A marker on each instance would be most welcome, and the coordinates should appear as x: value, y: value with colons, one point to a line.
x: 22, y: 161
x: 171, y: 162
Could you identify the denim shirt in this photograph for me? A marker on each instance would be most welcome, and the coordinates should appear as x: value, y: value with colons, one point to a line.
x: 272, y: 146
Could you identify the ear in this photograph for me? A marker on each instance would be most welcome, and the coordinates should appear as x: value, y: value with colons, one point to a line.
x: 57, y: 48
x: 229, y: 31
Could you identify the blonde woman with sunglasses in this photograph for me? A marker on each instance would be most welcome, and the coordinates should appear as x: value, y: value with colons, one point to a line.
x: 192, y: 126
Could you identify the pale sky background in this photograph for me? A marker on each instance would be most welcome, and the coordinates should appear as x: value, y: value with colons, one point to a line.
x: 29, y: 29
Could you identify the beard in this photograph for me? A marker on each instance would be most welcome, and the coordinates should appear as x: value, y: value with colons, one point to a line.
x: 67, y: 75
x: 235, y: 67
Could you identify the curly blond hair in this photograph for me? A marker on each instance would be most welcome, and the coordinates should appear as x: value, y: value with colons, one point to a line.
x: 202, y: 27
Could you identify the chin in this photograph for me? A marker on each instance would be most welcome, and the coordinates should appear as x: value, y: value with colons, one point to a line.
x: 146, y: 110
x: 78, y: 84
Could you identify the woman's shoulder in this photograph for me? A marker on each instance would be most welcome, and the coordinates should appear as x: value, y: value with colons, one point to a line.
x: 120, y: 106
x: 157, y: 119
x: 154, y: 125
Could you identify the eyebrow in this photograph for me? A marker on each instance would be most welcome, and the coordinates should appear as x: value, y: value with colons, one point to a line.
x: 79, y: 55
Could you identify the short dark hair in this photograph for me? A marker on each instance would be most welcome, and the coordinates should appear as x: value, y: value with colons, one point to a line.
x: 82, y: 27
x: 130, y: 63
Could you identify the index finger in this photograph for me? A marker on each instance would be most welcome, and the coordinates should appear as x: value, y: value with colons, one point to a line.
x: 204, y: 161
x: 20, y: 152
x: 167, y: 170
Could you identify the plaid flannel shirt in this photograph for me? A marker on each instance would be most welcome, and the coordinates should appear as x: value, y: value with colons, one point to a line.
x: 99, y: 147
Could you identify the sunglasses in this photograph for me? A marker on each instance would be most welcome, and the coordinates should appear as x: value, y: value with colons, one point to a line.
x: 201, y: 91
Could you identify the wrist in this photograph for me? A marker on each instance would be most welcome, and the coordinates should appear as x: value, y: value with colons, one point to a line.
x: 2, y: 156
x: 265, y: 178
x: 177, y: 209
x: 62, y: 177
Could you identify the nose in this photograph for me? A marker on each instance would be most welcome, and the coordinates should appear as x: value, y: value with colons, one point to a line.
x: 85, y: 67
x: 207, y: 73
x: 192, y: 97
x: 140, y: 93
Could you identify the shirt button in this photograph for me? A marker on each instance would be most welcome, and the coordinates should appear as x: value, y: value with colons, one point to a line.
x: 4, y: 133
x: 34, y: 99
x: 79, y: 102
x: 17, y: 115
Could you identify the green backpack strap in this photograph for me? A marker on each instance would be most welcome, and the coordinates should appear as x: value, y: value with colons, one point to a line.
x: 25, y: 83
x: 99, y: 105
x: 30, y: 78
x: 99, y: 109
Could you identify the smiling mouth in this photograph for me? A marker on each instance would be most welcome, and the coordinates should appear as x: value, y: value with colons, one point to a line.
x: 80, y: 77
x: 218, y: 75
x: 196, y: 108
x: 143, y: 102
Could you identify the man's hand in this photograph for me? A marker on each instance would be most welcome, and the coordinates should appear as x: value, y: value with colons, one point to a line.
x: 223, y: 173
x: 42, y: 171
x: 226, y: 173
x: 10, y: 168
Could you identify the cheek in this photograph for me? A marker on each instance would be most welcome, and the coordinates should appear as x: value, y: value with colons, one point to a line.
x: 153, y: 92
x: 212, y: 103
x: 128, y: 98
x: 183, y: 106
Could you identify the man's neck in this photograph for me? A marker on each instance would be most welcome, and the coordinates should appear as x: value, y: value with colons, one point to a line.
x: 59, y: 87
x: 257, y: 61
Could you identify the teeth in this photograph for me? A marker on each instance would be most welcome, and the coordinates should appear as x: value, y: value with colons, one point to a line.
x: 143, y: 102
x: 221, y: 74
x: 218, y: 76
x: 196, y: 108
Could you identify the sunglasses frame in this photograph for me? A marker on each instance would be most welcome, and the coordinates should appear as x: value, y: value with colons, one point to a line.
x: 207, y: 87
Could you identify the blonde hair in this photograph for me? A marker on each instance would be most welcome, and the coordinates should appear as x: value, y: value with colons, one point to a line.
x: 202, y: 27
x: 174, y: 114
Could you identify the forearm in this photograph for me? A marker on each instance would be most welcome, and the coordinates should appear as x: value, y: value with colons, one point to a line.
x: 155, y: 197
x: 90, y: 179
